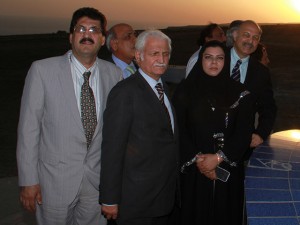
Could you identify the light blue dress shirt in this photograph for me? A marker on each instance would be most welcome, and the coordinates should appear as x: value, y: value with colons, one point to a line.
x: 243, y: 66
x: 123, y: 65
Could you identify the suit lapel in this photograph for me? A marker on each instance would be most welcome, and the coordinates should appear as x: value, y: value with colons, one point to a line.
x: 103, y: 92
x: 249, y: 71
x: 152, y: 100
x: 67, y: 86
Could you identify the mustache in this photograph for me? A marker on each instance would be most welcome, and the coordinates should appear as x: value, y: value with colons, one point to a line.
x: 248, y: 44
x: 86, y: 39
x: 160, y: 64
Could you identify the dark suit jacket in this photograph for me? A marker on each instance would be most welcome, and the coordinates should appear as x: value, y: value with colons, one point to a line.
x: 139, y: 152
x: 258, y: 82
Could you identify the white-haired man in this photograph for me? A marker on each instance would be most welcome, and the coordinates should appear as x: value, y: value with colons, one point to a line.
x: 140, y: 141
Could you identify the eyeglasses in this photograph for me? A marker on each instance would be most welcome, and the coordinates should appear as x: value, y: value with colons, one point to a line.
x: 92, y: 30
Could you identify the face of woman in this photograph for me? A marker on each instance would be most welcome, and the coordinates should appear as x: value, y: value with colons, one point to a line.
x: 213, y: 60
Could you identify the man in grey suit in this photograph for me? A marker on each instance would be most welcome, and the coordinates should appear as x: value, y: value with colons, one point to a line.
x: 60, y: 127
x: 140, y: 141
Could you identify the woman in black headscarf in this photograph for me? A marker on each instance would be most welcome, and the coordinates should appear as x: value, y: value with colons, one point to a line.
x: 215, y: 117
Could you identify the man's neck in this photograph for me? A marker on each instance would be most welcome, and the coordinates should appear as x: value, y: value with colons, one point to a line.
x: 124, y: 59
x: 87, y: 62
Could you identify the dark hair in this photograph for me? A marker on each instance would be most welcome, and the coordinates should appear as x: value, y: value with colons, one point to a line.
x: 206, y: 32
x: 90, y: 13
x: 213, y: 43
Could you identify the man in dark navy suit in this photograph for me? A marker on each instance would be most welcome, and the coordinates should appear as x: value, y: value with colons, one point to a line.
x: 256, y: 77
x: 140, y: 141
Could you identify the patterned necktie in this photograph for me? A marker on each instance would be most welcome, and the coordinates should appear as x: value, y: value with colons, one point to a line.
x: 160, y: 91
x: 236, y: 74
x: 130, y: 69
x: 88, y: 109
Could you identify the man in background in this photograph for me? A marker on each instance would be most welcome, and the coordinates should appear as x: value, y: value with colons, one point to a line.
x: 60, y: 127
x: 211, y: 32
x: 140, y: 141
x: 121, y: 43
x: 246, y: 69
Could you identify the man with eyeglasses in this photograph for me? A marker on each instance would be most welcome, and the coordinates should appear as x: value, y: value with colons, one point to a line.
x: 121, y: 43
x: 60, y: 127
x: 255, y: 77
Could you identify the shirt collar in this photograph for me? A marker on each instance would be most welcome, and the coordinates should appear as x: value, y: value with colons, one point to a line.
x: 149, y: 79
x: 78, y: 65
x: 121, y: 63
x: 235, y: 57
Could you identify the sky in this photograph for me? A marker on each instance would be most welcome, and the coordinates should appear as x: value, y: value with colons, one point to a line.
x: 50, y: 16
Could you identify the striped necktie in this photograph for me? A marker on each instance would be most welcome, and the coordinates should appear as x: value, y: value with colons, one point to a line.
x: 236, y: 74
x: 130, y: 69
x: 160, y: 91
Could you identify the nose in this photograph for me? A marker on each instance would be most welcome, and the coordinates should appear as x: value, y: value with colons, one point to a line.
x: 161, y: 58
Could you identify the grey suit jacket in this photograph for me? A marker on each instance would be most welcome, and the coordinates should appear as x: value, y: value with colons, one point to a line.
x: 51, y: 148
x: 140, y: 152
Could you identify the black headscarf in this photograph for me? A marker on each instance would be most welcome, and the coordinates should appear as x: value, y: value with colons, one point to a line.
x: 220, y: 89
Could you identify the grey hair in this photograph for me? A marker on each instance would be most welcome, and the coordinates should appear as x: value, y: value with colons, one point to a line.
x: 111, y: 34
x: 253, y: 22
x: 234, y: 26
x: 142, y: 38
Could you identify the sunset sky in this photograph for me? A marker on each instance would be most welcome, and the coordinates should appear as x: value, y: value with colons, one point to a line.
x: 44, y: 16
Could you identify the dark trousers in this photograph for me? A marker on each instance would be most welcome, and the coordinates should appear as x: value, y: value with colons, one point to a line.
x: 162, y: 220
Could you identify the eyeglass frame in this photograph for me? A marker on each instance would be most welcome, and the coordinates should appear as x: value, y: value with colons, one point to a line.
x: 82, y: 29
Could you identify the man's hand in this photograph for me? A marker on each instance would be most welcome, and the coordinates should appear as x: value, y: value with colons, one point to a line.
x: 110, y: 211
x: 256, y: 141
x: 29, y: 195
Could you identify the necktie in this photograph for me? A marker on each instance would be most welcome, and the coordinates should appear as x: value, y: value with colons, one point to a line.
x: 88, y: 109
x: 130, y: 69
x: 236, y: 75
x: 160, y: 91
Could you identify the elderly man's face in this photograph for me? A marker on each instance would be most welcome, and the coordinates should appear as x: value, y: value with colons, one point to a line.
x: 124, y: 44
x: 154, y: 59
x: 246, y: 39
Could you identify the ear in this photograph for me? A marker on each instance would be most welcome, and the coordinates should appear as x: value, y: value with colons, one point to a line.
x: 234, y: 35
x: 114, y: 44
x: 137, y: 56
x: 103, y: 41
x: 70, y: 38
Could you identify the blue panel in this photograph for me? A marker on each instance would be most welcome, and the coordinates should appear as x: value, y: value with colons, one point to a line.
x: 272, y: 184
x: 296, y: 195
x: 270, y: 210
x: 268, y: 195
x: 273, y: 221
x: 266, y: 183
x: 295, y: 184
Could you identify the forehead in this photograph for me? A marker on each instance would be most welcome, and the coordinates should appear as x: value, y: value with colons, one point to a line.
x: 249, y: 27
x: 214, y: 51
x: 86, y: 21
x: 155, y: 43
x: 123, y: 29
